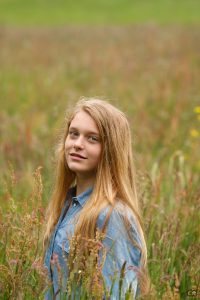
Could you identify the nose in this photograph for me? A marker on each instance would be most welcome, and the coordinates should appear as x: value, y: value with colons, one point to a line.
x: 78, y: 143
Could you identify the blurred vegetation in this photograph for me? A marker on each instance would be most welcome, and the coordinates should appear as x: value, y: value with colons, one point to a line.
x: 61, y: 12
x: 153, y: 75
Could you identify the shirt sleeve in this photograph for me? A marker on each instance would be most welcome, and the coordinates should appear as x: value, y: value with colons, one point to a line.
x: 122, y: 257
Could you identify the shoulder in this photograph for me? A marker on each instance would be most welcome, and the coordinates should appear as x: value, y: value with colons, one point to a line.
x: 120, y: 222
x: 118, y: 213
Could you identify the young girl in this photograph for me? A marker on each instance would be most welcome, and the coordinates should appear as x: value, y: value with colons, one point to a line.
x: 95, y: 191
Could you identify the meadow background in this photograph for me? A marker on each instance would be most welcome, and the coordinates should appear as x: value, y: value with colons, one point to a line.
x: 143, y: 56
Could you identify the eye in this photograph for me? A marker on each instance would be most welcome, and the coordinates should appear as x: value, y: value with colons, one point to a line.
x: 93, y: 138
x: 73, y: 133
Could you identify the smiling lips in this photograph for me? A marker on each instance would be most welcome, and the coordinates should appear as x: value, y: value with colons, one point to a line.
x: 77, y: 155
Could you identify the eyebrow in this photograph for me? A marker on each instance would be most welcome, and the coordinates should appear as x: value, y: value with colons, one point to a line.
x: 88, y: 132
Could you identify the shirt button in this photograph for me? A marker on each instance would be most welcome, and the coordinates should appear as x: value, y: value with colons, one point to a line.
x: 74, y: 204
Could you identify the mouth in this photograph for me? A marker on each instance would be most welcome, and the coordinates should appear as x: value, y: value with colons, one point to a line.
x: 77, y: 155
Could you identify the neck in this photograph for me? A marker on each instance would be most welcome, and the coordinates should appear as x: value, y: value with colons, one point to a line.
x: 82, y: 184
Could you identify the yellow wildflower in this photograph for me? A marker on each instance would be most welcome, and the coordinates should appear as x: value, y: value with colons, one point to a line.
x: 194, y: 133
x: 197, y: 109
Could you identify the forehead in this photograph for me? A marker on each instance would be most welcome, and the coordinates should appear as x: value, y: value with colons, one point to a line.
x: 84, y: 122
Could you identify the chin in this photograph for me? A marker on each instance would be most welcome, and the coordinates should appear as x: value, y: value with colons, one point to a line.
x: 75, y: 169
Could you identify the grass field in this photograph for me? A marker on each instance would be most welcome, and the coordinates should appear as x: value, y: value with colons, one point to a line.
x: 62, y: 12
x: 152, y: 73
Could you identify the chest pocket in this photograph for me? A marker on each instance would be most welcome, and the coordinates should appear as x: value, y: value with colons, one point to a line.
x: 65, y: 246
x: 64, y: 234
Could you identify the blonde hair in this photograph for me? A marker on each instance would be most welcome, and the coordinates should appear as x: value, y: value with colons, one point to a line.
x: 115, y: 177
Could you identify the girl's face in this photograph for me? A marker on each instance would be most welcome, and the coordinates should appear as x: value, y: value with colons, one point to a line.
x: 83, y: 146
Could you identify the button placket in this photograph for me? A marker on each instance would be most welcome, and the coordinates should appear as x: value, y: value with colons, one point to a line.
x: 75, y: 202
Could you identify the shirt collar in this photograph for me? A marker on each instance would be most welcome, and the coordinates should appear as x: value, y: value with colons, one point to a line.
x: 82, y: 198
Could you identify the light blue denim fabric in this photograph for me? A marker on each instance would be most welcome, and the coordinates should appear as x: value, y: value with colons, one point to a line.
x: 118, y: 247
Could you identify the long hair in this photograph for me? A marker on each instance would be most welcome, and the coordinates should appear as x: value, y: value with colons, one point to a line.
x: 115, y: 176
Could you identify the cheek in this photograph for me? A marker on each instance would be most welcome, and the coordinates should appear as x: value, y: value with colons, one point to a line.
x: 67, y: 144
x: 98, y: 154
x: 66, y: 147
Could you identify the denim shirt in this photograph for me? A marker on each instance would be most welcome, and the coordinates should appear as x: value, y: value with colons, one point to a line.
x: 118, y: 247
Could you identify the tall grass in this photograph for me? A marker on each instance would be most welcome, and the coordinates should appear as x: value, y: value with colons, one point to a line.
x: 150, y: 73
x: 172, y: 222
x: 22, y: 273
